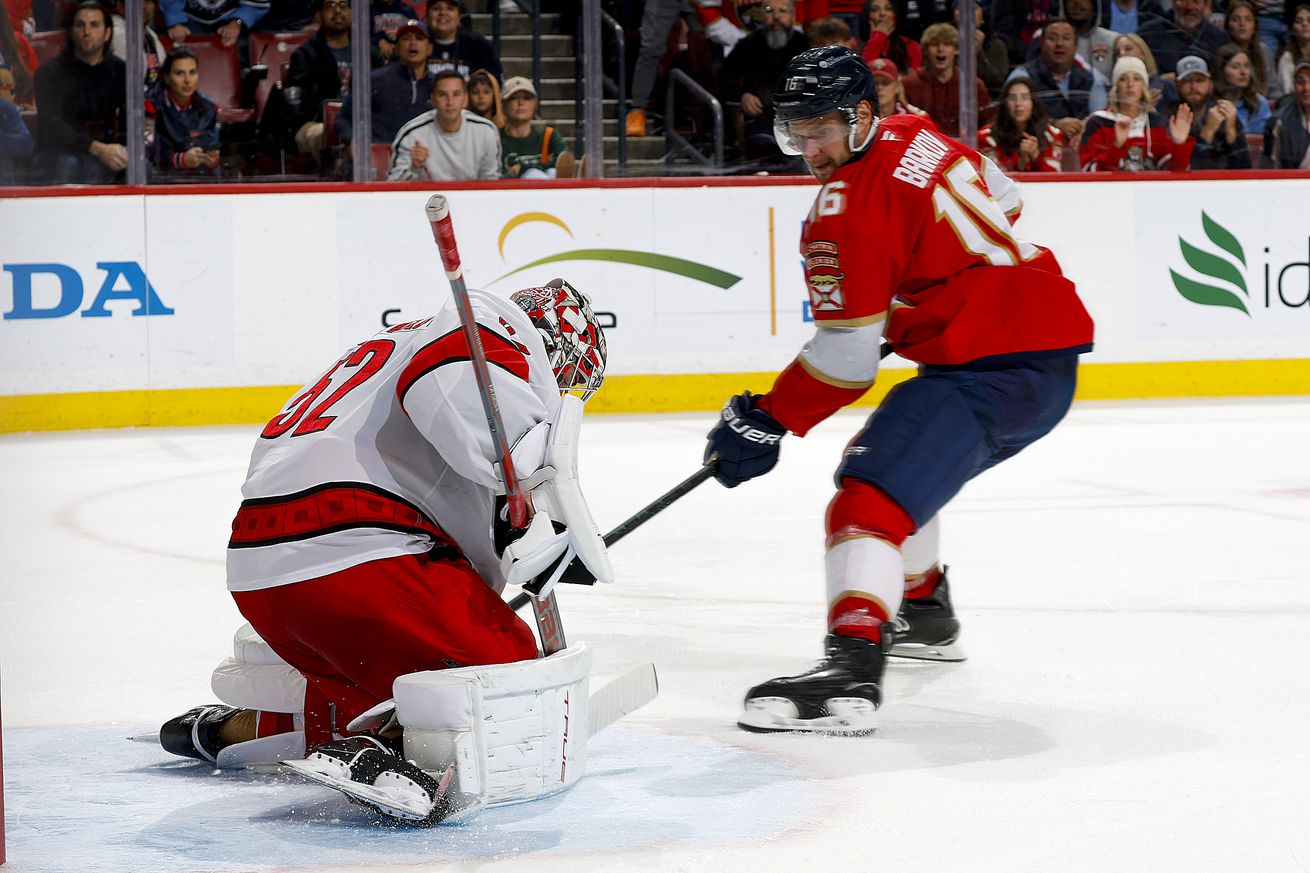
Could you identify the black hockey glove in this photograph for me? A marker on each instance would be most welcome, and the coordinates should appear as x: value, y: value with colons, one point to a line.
x: 746, y: 440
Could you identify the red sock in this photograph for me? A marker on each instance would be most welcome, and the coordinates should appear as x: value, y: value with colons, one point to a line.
x: 923, y: 585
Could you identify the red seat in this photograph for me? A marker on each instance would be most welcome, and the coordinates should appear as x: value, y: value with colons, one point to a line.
x: 220, y: 77
x: 381, y: 160
x: 331, y: 109
x: 274, y: 50
x: 1255, y: 145
x: 47, y: 44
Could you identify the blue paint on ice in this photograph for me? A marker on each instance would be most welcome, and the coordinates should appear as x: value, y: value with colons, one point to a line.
x: 83, y: 800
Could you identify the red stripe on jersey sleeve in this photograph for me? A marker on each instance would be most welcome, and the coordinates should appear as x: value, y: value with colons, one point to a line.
x: 454, y: 348
x: 799, y: 401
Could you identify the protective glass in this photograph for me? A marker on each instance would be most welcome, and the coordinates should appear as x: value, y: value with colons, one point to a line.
x: 797, y: 137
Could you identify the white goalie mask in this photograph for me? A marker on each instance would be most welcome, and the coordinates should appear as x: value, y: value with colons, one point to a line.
x: 575, y: 343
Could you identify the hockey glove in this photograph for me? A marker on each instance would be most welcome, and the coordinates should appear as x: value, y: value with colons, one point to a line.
x: 746, y: 440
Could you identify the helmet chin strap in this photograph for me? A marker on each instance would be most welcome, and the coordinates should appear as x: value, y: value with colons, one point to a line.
x: 873, y: 128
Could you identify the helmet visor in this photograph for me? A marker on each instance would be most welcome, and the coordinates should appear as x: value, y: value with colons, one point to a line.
x: 811, y: 134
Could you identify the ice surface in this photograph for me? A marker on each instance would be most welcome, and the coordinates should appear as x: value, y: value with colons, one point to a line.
x: 1135, y: 604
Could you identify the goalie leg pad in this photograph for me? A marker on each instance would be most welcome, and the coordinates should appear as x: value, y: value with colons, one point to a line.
x: 514, y: 732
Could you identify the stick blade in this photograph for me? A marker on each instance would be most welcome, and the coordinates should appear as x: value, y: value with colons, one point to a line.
x: 624, y: 695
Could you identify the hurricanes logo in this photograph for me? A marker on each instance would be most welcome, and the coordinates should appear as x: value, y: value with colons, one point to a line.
x: 1224, y: 279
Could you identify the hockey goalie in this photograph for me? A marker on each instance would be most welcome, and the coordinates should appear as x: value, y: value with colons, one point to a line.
x: 369, y: 555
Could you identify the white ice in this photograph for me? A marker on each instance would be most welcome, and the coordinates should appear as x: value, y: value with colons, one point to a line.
x: 1135, y: 605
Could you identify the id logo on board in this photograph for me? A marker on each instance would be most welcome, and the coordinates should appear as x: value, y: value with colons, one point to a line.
x: 1221, y: 273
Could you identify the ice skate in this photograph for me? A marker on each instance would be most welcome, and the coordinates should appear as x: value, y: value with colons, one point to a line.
x: 194, y: 733
x: 841, y: 695
x: 372, y: 775
x: 926, y: 627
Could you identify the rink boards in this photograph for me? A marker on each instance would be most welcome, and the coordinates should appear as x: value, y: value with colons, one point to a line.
x: 211, y: 305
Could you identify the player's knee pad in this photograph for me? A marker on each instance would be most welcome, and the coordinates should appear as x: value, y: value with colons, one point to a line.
x: 514, y: 731
x: 256, y: 678
x: 862, y: 509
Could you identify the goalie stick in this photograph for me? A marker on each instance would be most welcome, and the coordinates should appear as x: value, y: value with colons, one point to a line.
x: 546, y: 609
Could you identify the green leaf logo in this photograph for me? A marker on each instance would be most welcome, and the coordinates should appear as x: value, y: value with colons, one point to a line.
x: 1212, y: 266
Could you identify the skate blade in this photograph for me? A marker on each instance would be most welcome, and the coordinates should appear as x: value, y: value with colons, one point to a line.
x: 397, y: 801
x: 921, y: 652
x: 846, y: 717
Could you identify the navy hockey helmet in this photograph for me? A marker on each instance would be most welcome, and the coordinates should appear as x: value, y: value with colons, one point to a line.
x: 819, y: 81
x: 575, y: 343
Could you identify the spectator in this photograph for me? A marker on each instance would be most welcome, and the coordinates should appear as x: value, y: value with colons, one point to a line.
x: 886, y: 39
x: 448, y: 142
x: 320, y: 71
x: 81, y: 93
x: 990, y: 54
x: 1067, y: 91
x: 1288, y: 139
x: 1274, y: 25
x: 1240, y: 25
x: 1094, y: 42
x: 1164, y: 90
x: 832, y: 31
x: 1234, y: 81
x: 185, y: 138
x: 1220, y: 144
x: 152, y: 46
x: 388, y: 17
x: 1184, y: 30
x: 1297, y: 49
x: 657, y: 20
x: 18, y: 58
x: 1128, y: 16
x: 15, y: 141
x: 1129, y: 134
x: 1017, y: 21
x: 936, y: 85
x: 454, y: 48
x: 848, y: 12
x: 891, y: 90
x: 484, y: 98
x: 529, y: 152
x: 1022, y: 139
x: 750, y: 73
x: 400, y: 90
x: 230, y: 19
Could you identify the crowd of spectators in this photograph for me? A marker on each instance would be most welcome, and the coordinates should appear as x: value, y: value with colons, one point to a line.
x: 1094, y: 85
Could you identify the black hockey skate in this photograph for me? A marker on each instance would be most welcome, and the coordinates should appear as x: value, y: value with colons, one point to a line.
x: 369, y: 773
x: 841, y: 695
x: 926, y: 627
x: 194, y: 733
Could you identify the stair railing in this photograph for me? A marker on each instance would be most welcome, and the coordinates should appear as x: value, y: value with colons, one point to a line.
x: 533, y: 9
x: 677, y: 142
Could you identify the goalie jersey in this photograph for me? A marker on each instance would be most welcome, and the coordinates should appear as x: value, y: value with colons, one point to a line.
x: 389, y: 451
x: 914, y: 236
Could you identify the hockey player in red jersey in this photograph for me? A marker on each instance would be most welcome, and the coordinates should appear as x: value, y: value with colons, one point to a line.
x: 367, y: 545
x: 909, y: 239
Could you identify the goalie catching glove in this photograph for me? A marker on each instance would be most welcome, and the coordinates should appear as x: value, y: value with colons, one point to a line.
x: 562, y: 528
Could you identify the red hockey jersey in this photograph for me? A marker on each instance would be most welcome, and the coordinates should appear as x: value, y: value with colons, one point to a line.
x: 916, y: 233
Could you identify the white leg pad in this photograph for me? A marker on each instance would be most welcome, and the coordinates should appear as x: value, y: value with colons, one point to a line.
x: 922, y: 549
x: 256, y: 678
x: 515, y: 731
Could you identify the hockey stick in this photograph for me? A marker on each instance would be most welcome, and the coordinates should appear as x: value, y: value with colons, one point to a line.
x: 545, y: 609
x: 644, y: 515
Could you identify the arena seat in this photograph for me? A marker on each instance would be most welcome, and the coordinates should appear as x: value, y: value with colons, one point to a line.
x: 274, y: 51
x: 381, y: 160
x: 220, y: 78
x: 47, y: 44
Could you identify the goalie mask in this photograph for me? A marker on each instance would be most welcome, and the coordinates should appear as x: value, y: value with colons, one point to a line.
x: 575, y: 344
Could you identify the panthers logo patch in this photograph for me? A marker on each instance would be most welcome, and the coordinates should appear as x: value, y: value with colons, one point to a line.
x: 825, y: 292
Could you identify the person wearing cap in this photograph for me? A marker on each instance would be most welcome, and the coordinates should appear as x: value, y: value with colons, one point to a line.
x: 1220, y: 144
x: 891, y: 92
x: 453, y: 47
x: 401, y: 89
x: 1288, y: 138
x: 447, y: 142
x: 1129, y: 134
x: 529, y: 152
x: 936, y: 85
